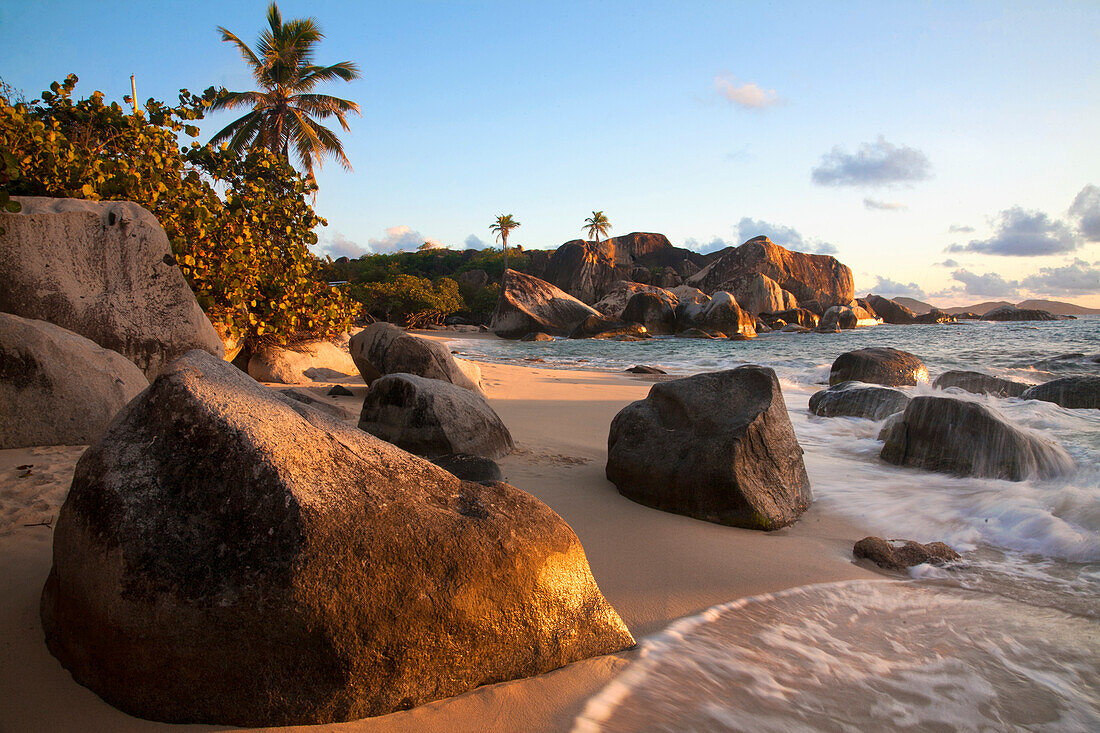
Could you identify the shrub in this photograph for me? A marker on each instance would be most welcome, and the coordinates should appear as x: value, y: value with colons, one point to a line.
x: 244, y: 252
x: 411, y: 300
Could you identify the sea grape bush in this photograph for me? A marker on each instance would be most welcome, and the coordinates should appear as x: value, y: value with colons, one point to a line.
x: 239, y: 226
x: 410, y: 300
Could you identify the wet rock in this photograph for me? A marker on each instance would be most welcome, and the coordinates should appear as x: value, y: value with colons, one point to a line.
x: 979, y: 383
x: 643, y: 369
x: 529, y: 304
x: 602, y: 327
x: 891, y: 311
x: 794, y: 328
x: 965, y: 438
x: 876, y: 365
x: 1070, y: 392
x: 57, y: 387
x: 716, y: 446
x: 104, y: 270
x: 844, y: 316
x: 431, y: 417
x: 231, y: 557
x: 934, y: 316
x: 849, y: 399
x: 539, y: 336
x: 657, y: 314
x: 808, y: 277
x: 470, y: 468
x: 903, y: 554
x: 696, y: 333
x: 796, y: 316
x: 762, y: 327
x: 383, y: 348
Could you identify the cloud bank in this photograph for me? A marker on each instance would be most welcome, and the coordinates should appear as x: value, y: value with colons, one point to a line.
x: 875, y: 164
x: 747, y: 95
x: 1086, y: 212
x: 892, y: 288
x: 475, y: 242
x: 1022, y: 233
x: 401, y: 237
x: 786, y: 236
x: 1077, y: 278
x: 988, y: 285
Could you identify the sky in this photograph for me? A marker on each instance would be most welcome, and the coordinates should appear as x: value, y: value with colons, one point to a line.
x: 947, y: 151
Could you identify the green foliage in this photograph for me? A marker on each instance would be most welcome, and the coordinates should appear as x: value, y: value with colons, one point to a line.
x: 244, y: 251
x: 411, y: 300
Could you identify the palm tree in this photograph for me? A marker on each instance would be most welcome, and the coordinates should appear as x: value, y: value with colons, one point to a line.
x: 283, y: 111
x: 503, y: 225
x: 596, y: 225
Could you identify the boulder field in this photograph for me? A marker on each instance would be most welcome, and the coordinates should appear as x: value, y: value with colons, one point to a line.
x: 529, y: 305
x: 383, y: 348
x: 717, y: 446
x: 229, y: 556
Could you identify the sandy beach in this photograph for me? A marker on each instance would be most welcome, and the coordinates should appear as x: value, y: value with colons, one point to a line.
x: 652, y: 566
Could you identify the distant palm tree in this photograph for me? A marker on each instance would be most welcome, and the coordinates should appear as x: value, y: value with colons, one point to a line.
x: 596, y: 225
x: 283, y: 111
x: 503, y: 225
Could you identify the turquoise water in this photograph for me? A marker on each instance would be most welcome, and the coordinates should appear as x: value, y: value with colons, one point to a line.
x: 1032, y: 550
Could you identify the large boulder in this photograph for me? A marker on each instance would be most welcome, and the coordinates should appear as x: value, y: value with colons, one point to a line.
x: 935, y: 316
x: 615, y: 300
x: 716, y: 446
x: 722, y: 313
x: 306, y: 361
x: 431, y: 417
x: 529, y: 304
x: 758, y: 293
x: 819, y: 278
x: 847, y: 316
x: 602, y: 327
x: 657, y: 314
x: 1071, y: 392
x: 383, y: 348
x: 891, y: 311
x: 588, y: 270
x: 228, y: 556
x: 965, y: 438
x: 690, y: 303
x: 850, y: 399
x: 979, y: 383
x: 104, y: 270
x: 877, y: 365
x: 798, y: 316
x: 1012, y: 313
x: 57, y: 387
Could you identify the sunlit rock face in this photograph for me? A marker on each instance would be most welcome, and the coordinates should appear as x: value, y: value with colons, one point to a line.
x: 717, y: 446
x: 383, y: 348
x: 979, y: 383
x: 968, y: 439
x: 613, y: 303
x: 890, y: 311
x: 722, y: 313
x: 876, y: 365
x: 845, y: 316
x: 850, y: 399
x: 1071, y: 392
x: 758, y: 293
x: 529, y: 304
x: 229, y: 556
x: 104, y: 270
x: 808, y: 277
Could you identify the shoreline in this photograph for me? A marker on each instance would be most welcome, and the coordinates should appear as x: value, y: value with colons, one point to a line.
x: 655, y: 568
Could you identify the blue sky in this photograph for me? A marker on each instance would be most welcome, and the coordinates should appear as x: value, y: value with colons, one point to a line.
x: 944, y: 150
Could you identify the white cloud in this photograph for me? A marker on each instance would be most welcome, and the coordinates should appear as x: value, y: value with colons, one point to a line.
x: 888, y: 288
x: 475, y: 242
x: 1086, y: 210
x: 785, y: 236
x: 876, y: 205
x: 960, y: 229
x: 1021, y: 233
x: 1077, y: 278
x: 707, y: 247
x: 988, y: 285
x: 338, y: 245
x: 401, y: 237
x: 875, y: 164
x: 745, y: 95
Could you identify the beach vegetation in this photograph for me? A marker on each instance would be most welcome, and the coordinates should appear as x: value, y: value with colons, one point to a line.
x: 412, y: 301
x: 285, y: 109
x: 596, y: 225
x: 239, y: 226
x: 502, y: 227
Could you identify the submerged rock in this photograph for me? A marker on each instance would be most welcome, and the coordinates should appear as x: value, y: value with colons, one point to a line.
x: 104, y: 270
x: 967, y: 439
x: 903, y: 554
x: 891, y: 311
x: 643, y: 369
x: 1070, y: 392
x: 228, y: 556
x: 431, y: 417
x: 383, y: 348
x: 979, y: 383
x: 538, y: 336
x: 529, y: 304
x: 877, y: 365
x: 717, y: 446
x: 57, y: 387
x: 849, y: 399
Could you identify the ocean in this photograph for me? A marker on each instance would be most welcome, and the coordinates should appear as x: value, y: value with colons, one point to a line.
x: 1009, y: 641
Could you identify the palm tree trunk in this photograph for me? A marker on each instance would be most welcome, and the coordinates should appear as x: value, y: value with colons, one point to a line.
x: 504, y: 274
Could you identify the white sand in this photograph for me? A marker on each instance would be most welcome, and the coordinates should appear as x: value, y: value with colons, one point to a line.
x: 652, y: 566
